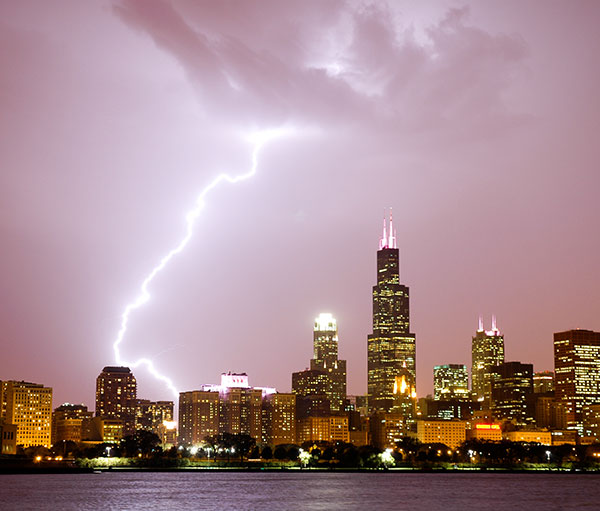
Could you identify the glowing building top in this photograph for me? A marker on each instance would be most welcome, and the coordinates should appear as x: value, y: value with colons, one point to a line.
x: 325, y: 323
x: 494, y: 332
x: 388, y: 239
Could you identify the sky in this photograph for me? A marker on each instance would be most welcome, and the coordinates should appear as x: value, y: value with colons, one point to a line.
x: 477, y: 122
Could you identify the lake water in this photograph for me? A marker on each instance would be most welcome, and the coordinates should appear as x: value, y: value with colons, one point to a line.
x: 300, y: 490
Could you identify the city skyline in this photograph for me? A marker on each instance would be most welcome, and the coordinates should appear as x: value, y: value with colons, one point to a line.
x: 117, y: 114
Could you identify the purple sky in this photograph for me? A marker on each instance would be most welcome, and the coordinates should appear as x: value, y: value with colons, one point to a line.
x: 478, y: 122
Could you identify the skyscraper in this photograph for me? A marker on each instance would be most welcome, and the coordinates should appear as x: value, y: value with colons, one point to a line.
x: 487, y: 352
x: 512, y: 387
x: 325, y: 359
x: 391, y: 348
x: 577, y: 374
x: 116, y: 396
x: 450, y: 381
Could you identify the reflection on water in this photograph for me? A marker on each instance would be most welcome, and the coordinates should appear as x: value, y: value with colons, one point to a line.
x: 299, y: 490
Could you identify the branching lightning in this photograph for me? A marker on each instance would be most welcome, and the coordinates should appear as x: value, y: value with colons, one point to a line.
x: 258, y: 139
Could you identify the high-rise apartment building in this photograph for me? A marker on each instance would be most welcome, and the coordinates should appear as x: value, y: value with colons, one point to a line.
x: 325, y: 359
x: 577, y: 374
x: 487, y: 352
x: 450, y: 381
x: 29, y: 407
x: 391, y: 348
x: 198, y: 416
x: 235, y: 407
x: 116, y: 396
x: 279, y: 418
x: 512, y: 388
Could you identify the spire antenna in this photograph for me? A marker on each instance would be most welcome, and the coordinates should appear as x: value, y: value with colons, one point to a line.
x: 392, y: 235
x: 383, y: 240
x: 480, y: 329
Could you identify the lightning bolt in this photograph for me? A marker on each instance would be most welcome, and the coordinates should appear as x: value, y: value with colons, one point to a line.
x: 258, y: 139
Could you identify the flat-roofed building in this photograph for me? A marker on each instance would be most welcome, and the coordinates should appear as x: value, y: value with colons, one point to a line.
x: 387, y: 429
x: 8, y: 438
x: 198, y: 416
x: 323, y: 429
x: 29, y: 407
x: 279, y: 418
x: 512, y: 386
x: 577, y: 373
x: 543, y: 437
x: 451, y: 433
x: 67, y: 422
x: 450, y: 381
x: 543, y: 382
x: 486, y: 431
x: 116, y: 396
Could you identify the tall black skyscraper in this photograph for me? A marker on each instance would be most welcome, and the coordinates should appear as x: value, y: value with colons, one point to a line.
x: 391, y: 347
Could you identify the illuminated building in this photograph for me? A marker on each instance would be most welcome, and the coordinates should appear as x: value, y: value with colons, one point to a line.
x: 591, y: 421
x: 231, y: 407
x: 198, y: 416
x: 150, y: 415
x: 116, y: 396
x: 446, y: 408
x: 529, y: 435
x: 323, y: 429
x: 451, y: 433
x: 543, y: 382
x: 325, y: 359
x: 279, y: 418
x: 512, y: 387
x: 391, y: 348
x: 102, y: 430
x: 67, y: 422
x: 450, y: 381
x: 487, y: 352
x: 486, y: 432
x: 29, y: 407
x: 8, y: 438
x: 549, y: 413
x: 312, y: 389
x: 577, y: 373
x: 387, y: 429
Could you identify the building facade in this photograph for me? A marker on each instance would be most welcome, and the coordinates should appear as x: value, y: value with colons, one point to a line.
x: 391, y: 348
x: 198, y: 416
x: 325, y: 359
x: 487, y: 352
x: 279, y: 418
x: 577, y: 373
x: 450, y: 381
x: 116, y: 396
x: 512, y: 388
x: 67, y: 422
x: 29, y: 407
x: 451, y: 433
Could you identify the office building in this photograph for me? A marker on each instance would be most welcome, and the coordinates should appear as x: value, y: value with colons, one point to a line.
x: 577, y: 373
x: 512, y: 387
x: 450, y: 381
x: 391, y: 348
x: 116, y: 396
x: 325, y: 359
x: 67, y: 422
x: 323, y: 429
x: 151, y: 415
x: 543, y: 382
x: 29, y: 407
x: 487, y: 352
x: 450, y: 433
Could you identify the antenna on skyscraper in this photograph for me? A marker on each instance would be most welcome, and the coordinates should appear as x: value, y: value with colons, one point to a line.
x: 480, y: 329
x: 494, y: 323
x: 392, y: 238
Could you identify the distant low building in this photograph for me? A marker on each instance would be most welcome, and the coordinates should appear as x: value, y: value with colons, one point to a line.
x: 67, y: 422
x: 529, y: 436
x: 323, y: 429
x: 451, y: 433
x: 8, y: 438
